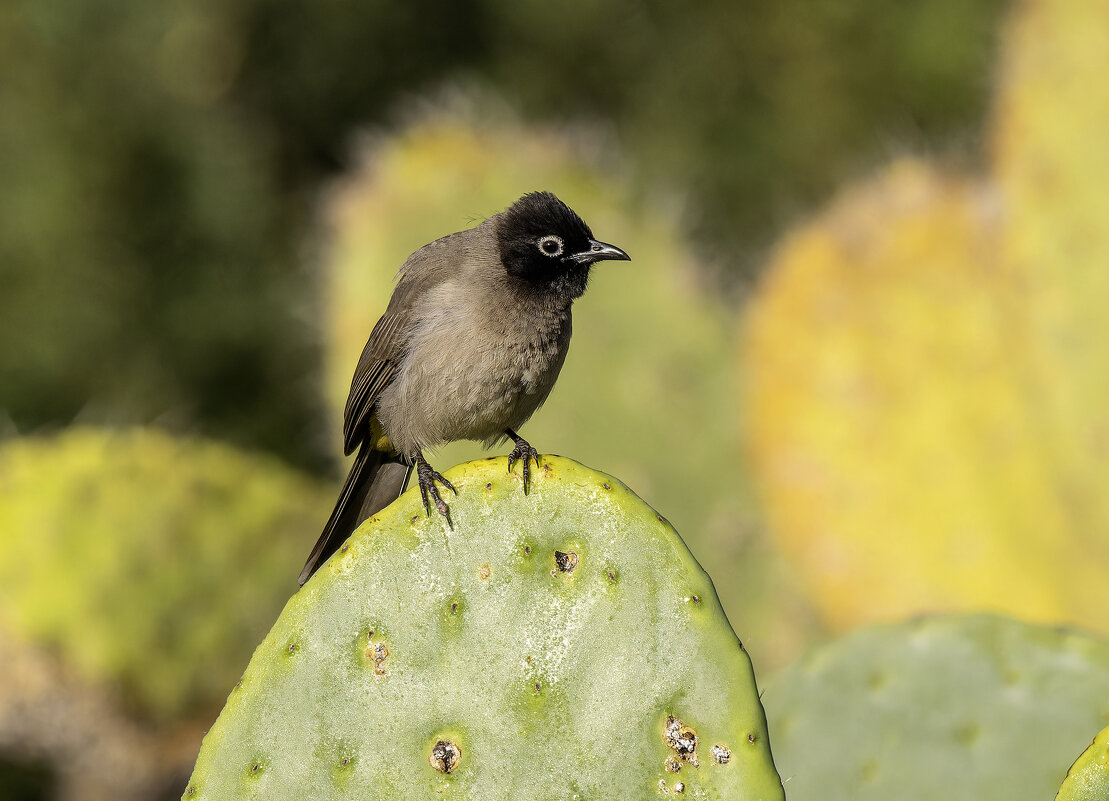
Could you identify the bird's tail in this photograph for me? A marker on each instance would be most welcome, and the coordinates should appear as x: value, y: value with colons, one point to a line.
x: 376, y: 479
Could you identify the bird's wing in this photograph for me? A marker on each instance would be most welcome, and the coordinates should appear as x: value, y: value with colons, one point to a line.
x: 375, y: 369
x: 423, y: 270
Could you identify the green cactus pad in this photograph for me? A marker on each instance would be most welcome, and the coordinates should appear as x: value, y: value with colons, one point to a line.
x: 557, y: 645
x: 1088, y: 778
x: 975, y: 707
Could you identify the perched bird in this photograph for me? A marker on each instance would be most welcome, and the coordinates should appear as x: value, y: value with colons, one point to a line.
x: 468, y: 348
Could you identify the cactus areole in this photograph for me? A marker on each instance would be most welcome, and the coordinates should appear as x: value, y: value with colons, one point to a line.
x: 558, y: 645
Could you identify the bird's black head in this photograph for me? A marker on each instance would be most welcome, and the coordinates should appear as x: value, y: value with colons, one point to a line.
x: 544, y: 242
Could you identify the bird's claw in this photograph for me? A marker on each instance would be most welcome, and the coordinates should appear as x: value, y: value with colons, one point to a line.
x: 523, y: 451
x: 426, y: 476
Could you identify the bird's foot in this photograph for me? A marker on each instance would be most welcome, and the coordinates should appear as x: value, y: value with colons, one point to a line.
x: 522, y: 451
x: 427, y: 478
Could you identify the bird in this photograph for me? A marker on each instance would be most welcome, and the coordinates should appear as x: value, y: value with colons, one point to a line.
x: 470, y: 345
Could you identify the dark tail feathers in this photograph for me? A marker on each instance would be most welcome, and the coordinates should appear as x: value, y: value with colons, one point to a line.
x: 375, y: 480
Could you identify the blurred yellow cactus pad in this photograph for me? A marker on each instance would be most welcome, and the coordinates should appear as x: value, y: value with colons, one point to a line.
x: 1052, y: 165
x: 149, y: 564
x: 928, y: 405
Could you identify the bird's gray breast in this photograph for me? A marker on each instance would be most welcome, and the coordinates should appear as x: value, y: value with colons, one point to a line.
x: 475, y: 363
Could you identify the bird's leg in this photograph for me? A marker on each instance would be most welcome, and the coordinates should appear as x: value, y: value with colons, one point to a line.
x: 522, y: 451
x: 427, y: 478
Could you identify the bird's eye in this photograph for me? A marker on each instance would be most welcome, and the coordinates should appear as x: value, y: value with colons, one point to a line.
x: 551, y: 245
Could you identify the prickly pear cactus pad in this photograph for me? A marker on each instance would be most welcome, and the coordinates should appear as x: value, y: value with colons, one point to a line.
x: 1088, y: 778
x: 971, y: 708
x: 558, y: 645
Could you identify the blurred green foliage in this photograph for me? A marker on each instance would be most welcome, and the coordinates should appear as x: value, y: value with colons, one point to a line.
x: 753, y: 109
x: 149, y: 565
x: 159, y: 161
x: 141, y: 245
x: 25, y: 781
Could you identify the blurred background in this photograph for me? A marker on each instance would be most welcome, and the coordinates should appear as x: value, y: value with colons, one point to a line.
x: 859, y: 358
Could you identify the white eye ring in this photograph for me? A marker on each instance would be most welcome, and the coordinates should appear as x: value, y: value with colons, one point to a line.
x: 545, y: 243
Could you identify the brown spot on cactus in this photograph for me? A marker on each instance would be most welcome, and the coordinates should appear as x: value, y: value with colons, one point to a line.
x: 377, y: 652
x: 607, y: 486
x: 672, y: 764
x: 483, y: 572
x: 566, y: 561
x: 721, y: 754
x: 445, y: 756
x: 681, y: 738
x: 679, y: 787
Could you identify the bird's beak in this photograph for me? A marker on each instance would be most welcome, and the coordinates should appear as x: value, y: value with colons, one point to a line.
x: 599, y: 251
